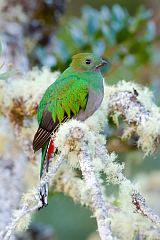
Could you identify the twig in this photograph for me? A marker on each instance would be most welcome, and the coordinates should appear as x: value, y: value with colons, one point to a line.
x: 98, y: 203
x: 123, y: 101
x: 137, y: 199
x: 140, y: 203
x: 26, y: 209
x: 136, y: 106
x: 10, y: 229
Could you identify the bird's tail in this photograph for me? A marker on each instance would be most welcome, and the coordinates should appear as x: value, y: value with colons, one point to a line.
x: 47, y: 151
x: 44, y: 195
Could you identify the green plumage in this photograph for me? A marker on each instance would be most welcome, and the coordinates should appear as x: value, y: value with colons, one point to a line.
x: 67, y: 94
x: 77, y: 92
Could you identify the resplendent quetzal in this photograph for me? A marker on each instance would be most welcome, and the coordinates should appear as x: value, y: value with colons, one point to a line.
x: 77, y: 93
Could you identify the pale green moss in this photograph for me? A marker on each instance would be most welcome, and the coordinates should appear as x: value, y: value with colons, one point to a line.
x: 143, y: 113
x: 126, y: 222
x: 123, y: 226
x: 23, y: 222
x: 114, y: 172
x: 148, y: 134
x: 28, y: 88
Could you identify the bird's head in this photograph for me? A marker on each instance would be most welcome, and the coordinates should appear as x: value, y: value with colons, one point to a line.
x: 86, y: 62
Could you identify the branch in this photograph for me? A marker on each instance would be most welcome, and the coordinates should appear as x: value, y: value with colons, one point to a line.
x: 140, y: 203
x: 98, y: 203
x: 11, y: 228
x: 79, y: 139
x: 135, y: 104
x: 74, y: 139
x: 117, y: 176
x: 123, y: 102
x: 31, y: 201
x: 80, y: 145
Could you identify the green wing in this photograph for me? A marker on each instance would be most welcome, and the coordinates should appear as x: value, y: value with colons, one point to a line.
x: 64, y: 97
x: 61, y: 100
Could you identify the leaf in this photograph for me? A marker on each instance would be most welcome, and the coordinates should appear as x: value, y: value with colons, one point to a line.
x: 108, y: 32
x: 99, y: 47
x: 105, y: 13
x: 109, y: 35
x: 150, y: 32
x: 118, y: 12
x: 91, y: 18
x: 140, y: 19
x: 60, y: 49
x: 77, y: 35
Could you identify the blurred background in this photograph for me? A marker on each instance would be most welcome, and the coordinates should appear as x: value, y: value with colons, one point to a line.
x: 127, y: 33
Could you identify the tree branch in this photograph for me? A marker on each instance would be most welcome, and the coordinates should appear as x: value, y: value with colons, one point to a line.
x: 30, y: 202
x: 137, y: 199
x: 123, y: 102
x: 81, y: 139
x: 98, y: 202
x: 140, y: 203
x: 135, y: 105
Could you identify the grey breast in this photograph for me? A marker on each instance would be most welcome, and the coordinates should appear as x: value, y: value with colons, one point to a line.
x: 94, y: 101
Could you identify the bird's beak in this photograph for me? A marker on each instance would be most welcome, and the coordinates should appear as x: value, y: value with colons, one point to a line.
x: 103, y: 63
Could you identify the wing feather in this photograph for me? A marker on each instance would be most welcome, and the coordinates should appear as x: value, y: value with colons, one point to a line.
x: 65, y: 100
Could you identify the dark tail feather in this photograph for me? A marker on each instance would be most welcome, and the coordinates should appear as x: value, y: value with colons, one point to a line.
x: 46, y: 154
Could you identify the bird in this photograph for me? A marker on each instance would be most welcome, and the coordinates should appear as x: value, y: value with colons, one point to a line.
x: 77, y: 93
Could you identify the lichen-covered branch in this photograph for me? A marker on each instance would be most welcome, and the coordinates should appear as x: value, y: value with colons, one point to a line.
x: 136, y: 105
x: 82, y: 148
x: 79, y: 142
x: 98, y: 202
x: 140, y: 203
x: 115, y: 176
x: 123, y: 102
x: 30, y: 203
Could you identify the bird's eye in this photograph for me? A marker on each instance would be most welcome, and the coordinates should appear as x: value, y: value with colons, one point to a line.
x: 88, y: 61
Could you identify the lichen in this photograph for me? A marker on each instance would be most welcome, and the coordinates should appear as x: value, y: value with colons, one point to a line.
x: 20, y: 97
x: 23, y: 223
x: 19, y: 100
x: 135, y: 104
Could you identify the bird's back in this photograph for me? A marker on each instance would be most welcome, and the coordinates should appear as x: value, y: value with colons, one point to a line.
x: 55, y: 90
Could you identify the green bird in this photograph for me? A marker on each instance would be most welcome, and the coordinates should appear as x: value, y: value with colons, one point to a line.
x: 77, y: 93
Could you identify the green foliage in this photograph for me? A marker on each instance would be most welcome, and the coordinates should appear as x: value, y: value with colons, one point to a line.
x: 112, y: 33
